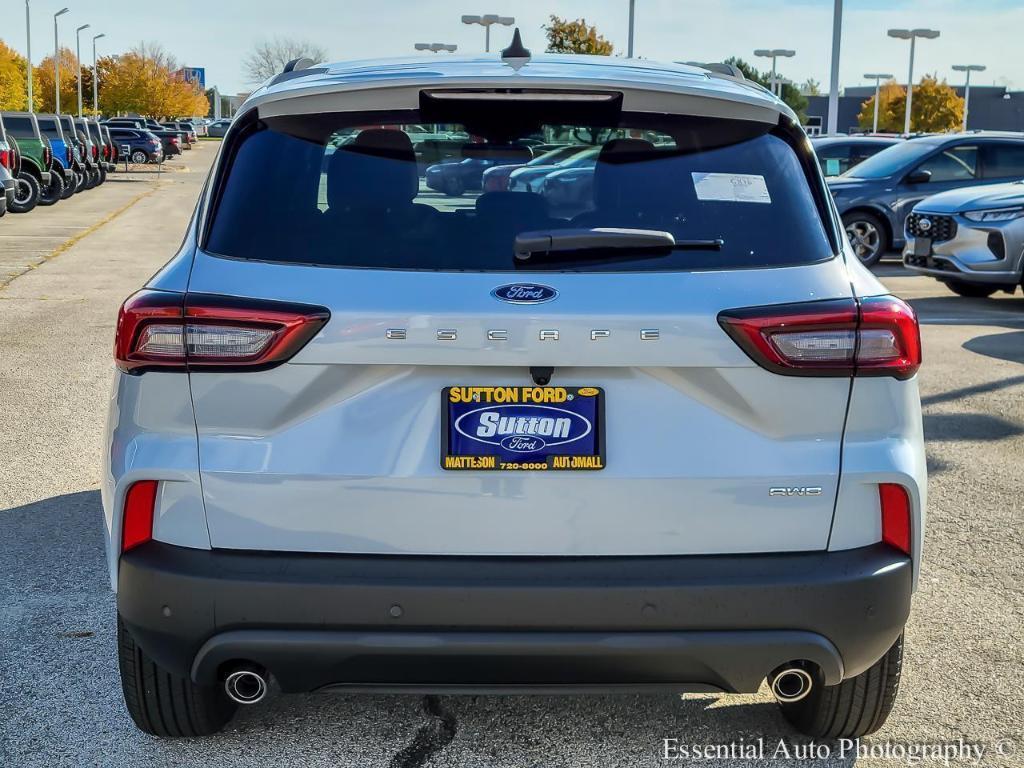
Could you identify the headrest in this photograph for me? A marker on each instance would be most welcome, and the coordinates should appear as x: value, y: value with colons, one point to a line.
x: 619, y: 173
x: 376, y: 169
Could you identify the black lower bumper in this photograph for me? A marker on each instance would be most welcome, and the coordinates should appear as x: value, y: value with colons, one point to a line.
x: 436, y: 623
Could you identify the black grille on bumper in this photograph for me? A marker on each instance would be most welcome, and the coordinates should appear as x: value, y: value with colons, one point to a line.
x: 938, y: 228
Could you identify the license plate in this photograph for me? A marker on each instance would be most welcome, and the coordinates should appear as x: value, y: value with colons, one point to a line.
x: 922, y: 246
x: 522, y: 428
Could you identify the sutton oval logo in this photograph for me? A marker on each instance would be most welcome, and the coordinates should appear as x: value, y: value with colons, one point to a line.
x: 540, y: 426
x: 524, y: 293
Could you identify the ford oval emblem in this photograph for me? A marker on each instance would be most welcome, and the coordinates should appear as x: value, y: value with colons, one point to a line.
x: 524, y: 293
x: 925, y: 224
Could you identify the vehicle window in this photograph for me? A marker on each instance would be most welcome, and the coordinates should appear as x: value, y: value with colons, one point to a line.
x: 1004, y: 160
x: 362, y: 200
x: 20, y: 126
x: 893, y: 160
x: 958, y: 163
x: 834, y: 158
x: 50, y: 129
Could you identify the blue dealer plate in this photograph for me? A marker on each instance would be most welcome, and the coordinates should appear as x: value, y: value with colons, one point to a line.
x: 522, y: 428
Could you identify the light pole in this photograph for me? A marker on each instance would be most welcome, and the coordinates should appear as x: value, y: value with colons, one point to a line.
x: 78, y: 55
x: 632, y: 17
x: 878, y: 78
x: 28, y: 51
x: 968, y: 68
x: 96, y: 76
x: 56, y: 61
x: 436, y: 47
x: 833, y: 81
x: 486, y: 21
x: 774, y: 54
x: 911, y: 35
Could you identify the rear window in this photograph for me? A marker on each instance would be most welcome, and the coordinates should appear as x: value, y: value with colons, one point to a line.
x: 20, y: 127
x: 50, y: 128
x: 398, y: 192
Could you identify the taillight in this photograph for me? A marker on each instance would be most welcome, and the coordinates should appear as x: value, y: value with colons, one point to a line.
x: 69, y: 155
x: 895, y: 504
x: 95, y: 152
x: 174, y: 139
x: 47, y: 156
x: 137, y: 523
x: 876, y: 336
x: 169, y: 331
x: 6, y: 159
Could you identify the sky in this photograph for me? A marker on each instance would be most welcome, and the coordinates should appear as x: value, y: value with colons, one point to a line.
x: 218, y: 34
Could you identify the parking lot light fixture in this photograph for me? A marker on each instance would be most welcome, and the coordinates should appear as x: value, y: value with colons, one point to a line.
x: 78, y: 55
x: 28, y: 51
x: 774, y: 54
x: 56, y: 60
x: 436, y: 47
x: 911, y: 35
x: 878, y: 78
x: 968, y: 68
x: 487, y: 21
x: 95, y: 75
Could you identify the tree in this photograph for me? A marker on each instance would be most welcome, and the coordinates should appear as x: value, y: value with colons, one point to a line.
x: 566, y: 36
x: 790, y: 94
x: 144, y: 81
x: 936, y: 108
x: 269, y: 56
x: 811, y: 87
x: 14, y: 80
x: 43, y: 84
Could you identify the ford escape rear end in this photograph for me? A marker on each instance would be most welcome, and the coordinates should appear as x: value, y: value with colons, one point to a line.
x: 366, y: 435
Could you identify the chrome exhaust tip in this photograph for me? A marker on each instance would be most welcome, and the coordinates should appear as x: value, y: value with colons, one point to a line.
x: 791, y: 684
x: 246, y: 685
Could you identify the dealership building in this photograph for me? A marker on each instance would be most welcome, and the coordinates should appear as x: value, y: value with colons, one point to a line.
x: 992, y: 108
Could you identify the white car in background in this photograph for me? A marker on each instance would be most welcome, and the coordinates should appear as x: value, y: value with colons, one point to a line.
x: 360, y: 439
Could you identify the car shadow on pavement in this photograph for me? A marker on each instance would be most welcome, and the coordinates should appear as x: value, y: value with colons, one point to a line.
x: 63, y: 702
x: 959, y: 310
x: 1002, y: 346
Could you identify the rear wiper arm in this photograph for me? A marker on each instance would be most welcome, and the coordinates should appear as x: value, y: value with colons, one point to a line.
x: 605, y: 239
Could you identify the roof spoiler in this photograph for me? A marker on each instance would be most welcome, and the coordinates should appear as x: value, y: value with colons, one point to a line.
x: 720, y: 69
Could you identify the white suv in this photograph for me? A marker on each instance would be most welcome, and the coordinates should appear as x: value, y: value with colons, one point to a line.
x: 367, y: 436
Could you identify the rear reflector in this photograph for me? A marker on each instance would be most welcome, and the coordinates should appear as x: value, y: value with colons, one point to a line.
x: 876, y: 336
x: 139, y: 502
x: 169, y: 331
x: 895, y: 516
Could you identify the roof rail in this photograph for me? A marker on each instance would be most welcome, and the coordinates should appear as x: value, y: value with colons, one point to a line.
x: 719, y: 68
x: 300, y: 67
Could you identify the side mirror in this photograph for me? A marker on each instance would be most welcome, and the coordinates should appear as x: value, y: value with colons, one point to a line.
x: 920, y: 176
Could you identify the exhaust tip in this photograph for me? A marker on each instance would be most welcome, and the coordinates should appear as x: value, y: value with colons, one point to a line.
x: 245, y: 686
x: 791, y: 684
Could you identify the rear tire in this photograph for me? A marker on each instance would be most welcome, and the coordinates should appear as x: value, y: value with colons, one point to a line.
x: 867, y: 235
x: 92, y: 178
x: 70, y: 187
x: 26, y: 193
x: 855, y: 707
x: 454, y: 187
x: 971, y: 290
x: 163, y: 704
x: 53, y: 193
x: 79, y: 182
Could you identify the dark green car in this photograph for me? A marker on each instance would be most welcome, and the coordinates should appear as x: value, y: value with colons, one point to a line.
x: 34, y: 181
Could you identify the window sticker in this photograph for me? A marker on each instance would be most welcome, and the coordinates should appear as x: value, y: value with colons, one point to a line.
x: 731, y: 187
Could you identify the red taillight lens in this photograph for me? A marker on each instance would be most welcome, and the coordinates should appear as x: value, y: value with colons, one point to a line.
x: 174, y: 139
x: 137, y: 526
x: 70, y: 156
x: 895, y: 516
x: 167, y: 331
x: 47, y: 156
x: 95, y: 152
x: 876, y: 336
x: 5, y: 159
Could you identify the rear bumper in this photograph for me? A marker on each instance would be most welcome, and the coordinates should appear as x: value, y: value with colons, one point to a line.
x: 686, y: 623
x: 44, y: 178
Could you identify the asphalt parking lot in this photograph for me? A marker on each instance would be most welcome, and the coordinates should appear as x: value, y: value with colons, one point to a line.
x: 61, y: 283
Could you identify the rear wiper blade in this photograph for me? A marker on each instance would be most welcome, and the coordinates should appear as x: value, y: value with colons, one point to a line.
x: 602, y: 239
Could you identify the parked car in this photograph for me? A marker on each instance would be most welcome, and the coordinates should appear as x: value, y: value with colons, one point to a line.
x: 86, y: 174
x: 170, y: 140
x: 496, y: 179
x: 569, y: 191
x: 114, y: 156
x: 63, y: 162
x: 143, y: 147
x: 529, y: 179
x: 360, y: 438
x: 838, y: 154
x: 186, y: 134
x: 101, y: 148
x: 94, y: 150
x: 10, y: 163
x: 7, y: 185
x: 972, y: 239
x: 218, y: 128
x: 875, y: 198
x: 455, y: 177
x: 36, y: 157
